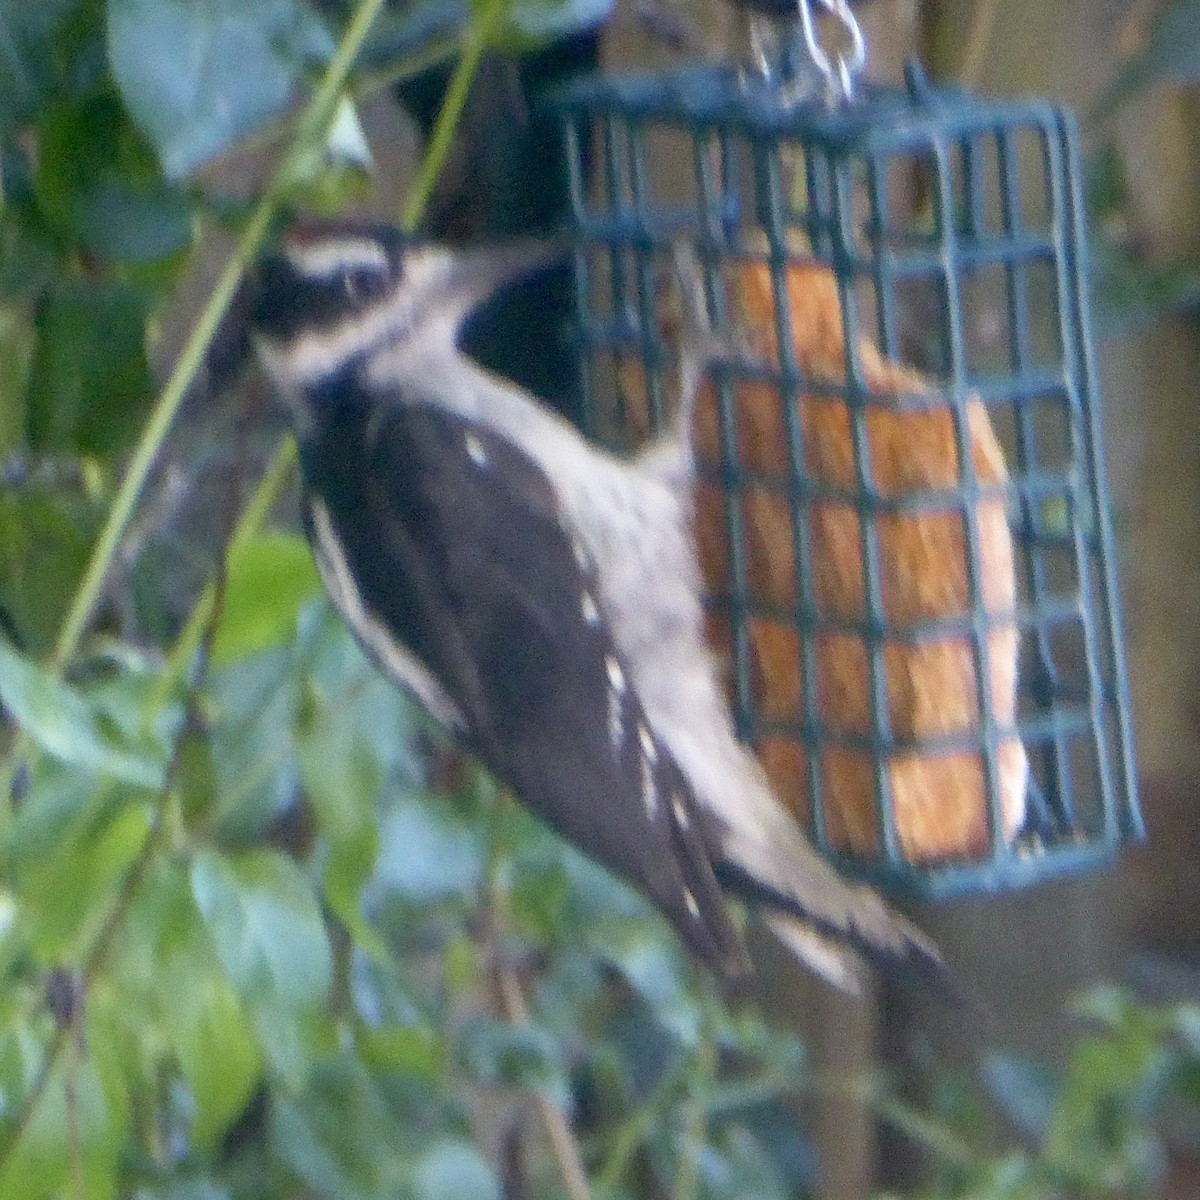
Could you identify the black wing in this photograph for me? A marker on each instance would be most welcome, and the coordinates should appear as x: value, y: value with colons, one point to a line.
x: 453, y: 540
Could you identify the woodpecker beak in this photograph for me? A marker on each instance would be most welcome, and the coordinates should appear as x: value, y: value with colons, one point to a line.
x: 460, y: 281
x: 327, y: 276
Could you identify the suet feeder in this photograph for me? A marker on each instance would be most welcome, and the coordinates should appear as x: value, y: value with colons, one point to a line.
x: 902, y: 514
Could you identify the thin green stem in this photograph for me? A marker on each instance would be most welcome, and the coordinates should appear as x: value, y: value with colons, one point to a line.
x: 560, y: 1138
x: 362, y: 88
x: 633, y: 1131
x: 925, y: 1131
x: 430, y: 56
x: 96, y: 957
x: 920, y: 1127
x: 732, y: 1097
x: 250, y: 523
x: 702, y: 1080
x: 478, y: 38
x: 313, y: 120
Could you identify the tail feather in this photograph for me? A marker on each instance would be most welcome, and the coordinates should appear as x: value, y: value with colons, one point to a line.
x: 819, y: 916
x: 823, y: 955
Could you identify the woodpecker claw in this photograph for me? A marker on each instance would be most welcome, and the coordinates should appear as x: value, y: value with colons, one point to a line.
x: 702, y: 344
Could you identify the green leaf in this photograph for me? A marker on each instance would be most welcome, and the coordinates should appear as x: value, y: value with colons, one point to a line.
x: 164, y: 999
x: 454, y: 1170
x: 97, y: 183
x: 266, y: 926
x: 1129, y: 293
x: 60, y: 806
x: 529, y: 22
x: 269, y: 580
x: 1186, y: 1082
x: 1099, y: 1133
x: 347, y: 143
x: 426, y: 855
x: 462, y: 965
x: 338, y: 1136
x: 498, y: 1054
x: 198, y: 75
x: 217, y: 1055
x: 45, y: 538
x: 91, y: 385
x: 348, y: 868
x: 253, y: 712
x: 410, y: 1052
x: 28, y: 35
x: 64, y: 725
x: 186, y: 1189
x: 406, y: 31
x: 340, y: 767
x: 332, y: 175
x: 1026, y: 1092
x: 74, y: 890
x: 195, y: 777
x: 340, y: 673
x: 740, y: 1167
x: 137, y: 225
x: 16, y: 360
x: 1184, y: 1022
x: 655, y: 969
x: 78, y: 1106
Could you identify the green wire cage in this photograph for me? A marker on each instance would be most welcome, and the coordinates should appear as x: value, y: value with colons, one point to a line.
x: 902, y: 508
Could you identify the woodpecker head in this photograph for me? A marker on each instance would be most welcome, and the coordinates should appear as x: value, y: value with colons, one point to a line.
x: 322, y: 277
x: 332, y: 294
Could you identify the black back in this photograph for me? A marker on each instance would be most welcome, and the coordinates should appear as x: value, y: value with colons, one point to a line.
x: 456, y: 546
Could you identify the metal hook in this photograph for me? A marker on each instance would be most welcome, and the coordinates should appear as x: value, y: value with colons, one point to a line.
x: 839, y: 78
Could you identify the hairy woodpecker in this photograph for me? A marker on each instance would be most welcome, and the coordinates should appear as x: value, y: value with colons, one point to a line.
x: 540, y: 597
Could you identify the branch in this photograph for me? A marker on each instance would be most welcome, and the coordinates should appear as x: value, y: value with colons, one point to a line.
x: 97, y: 955
x: 253, y: 518
x: 703, y: 1076
x: 478, y: 38
x: 494, y: 901
x: 563, y: 1145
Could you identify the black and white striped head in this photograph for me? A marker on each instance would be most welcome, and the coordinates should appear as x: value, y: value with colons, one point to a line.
x: 322, y: 277
x: 332, y: 294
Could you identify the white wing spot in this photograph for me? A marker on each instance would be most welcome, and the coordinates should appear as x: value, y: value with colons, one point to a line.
x: 649, y: 791
x: 681, y: 813
x: 616, y: 728
x: 476, y: 451
x: 581, y: 557
x: 616, y: 677
x: 591, y: 614
x: 690, y: 901
x: 649, y: 749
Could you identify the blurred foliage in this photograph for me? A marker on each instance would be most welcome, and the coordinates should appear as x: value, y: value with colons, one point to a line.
x: 1132, y: 281
x: 250, y: 907
x: 1099, y: 1127
x: 1165, y: 50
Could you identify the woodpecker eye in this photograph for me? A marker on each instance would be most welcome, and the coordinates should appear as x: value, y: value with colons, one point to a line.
x: 362, y: 284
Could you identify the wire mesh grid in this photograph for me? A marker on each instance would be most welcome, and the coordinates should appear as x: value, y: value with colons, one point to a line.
x: 901, y: 514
